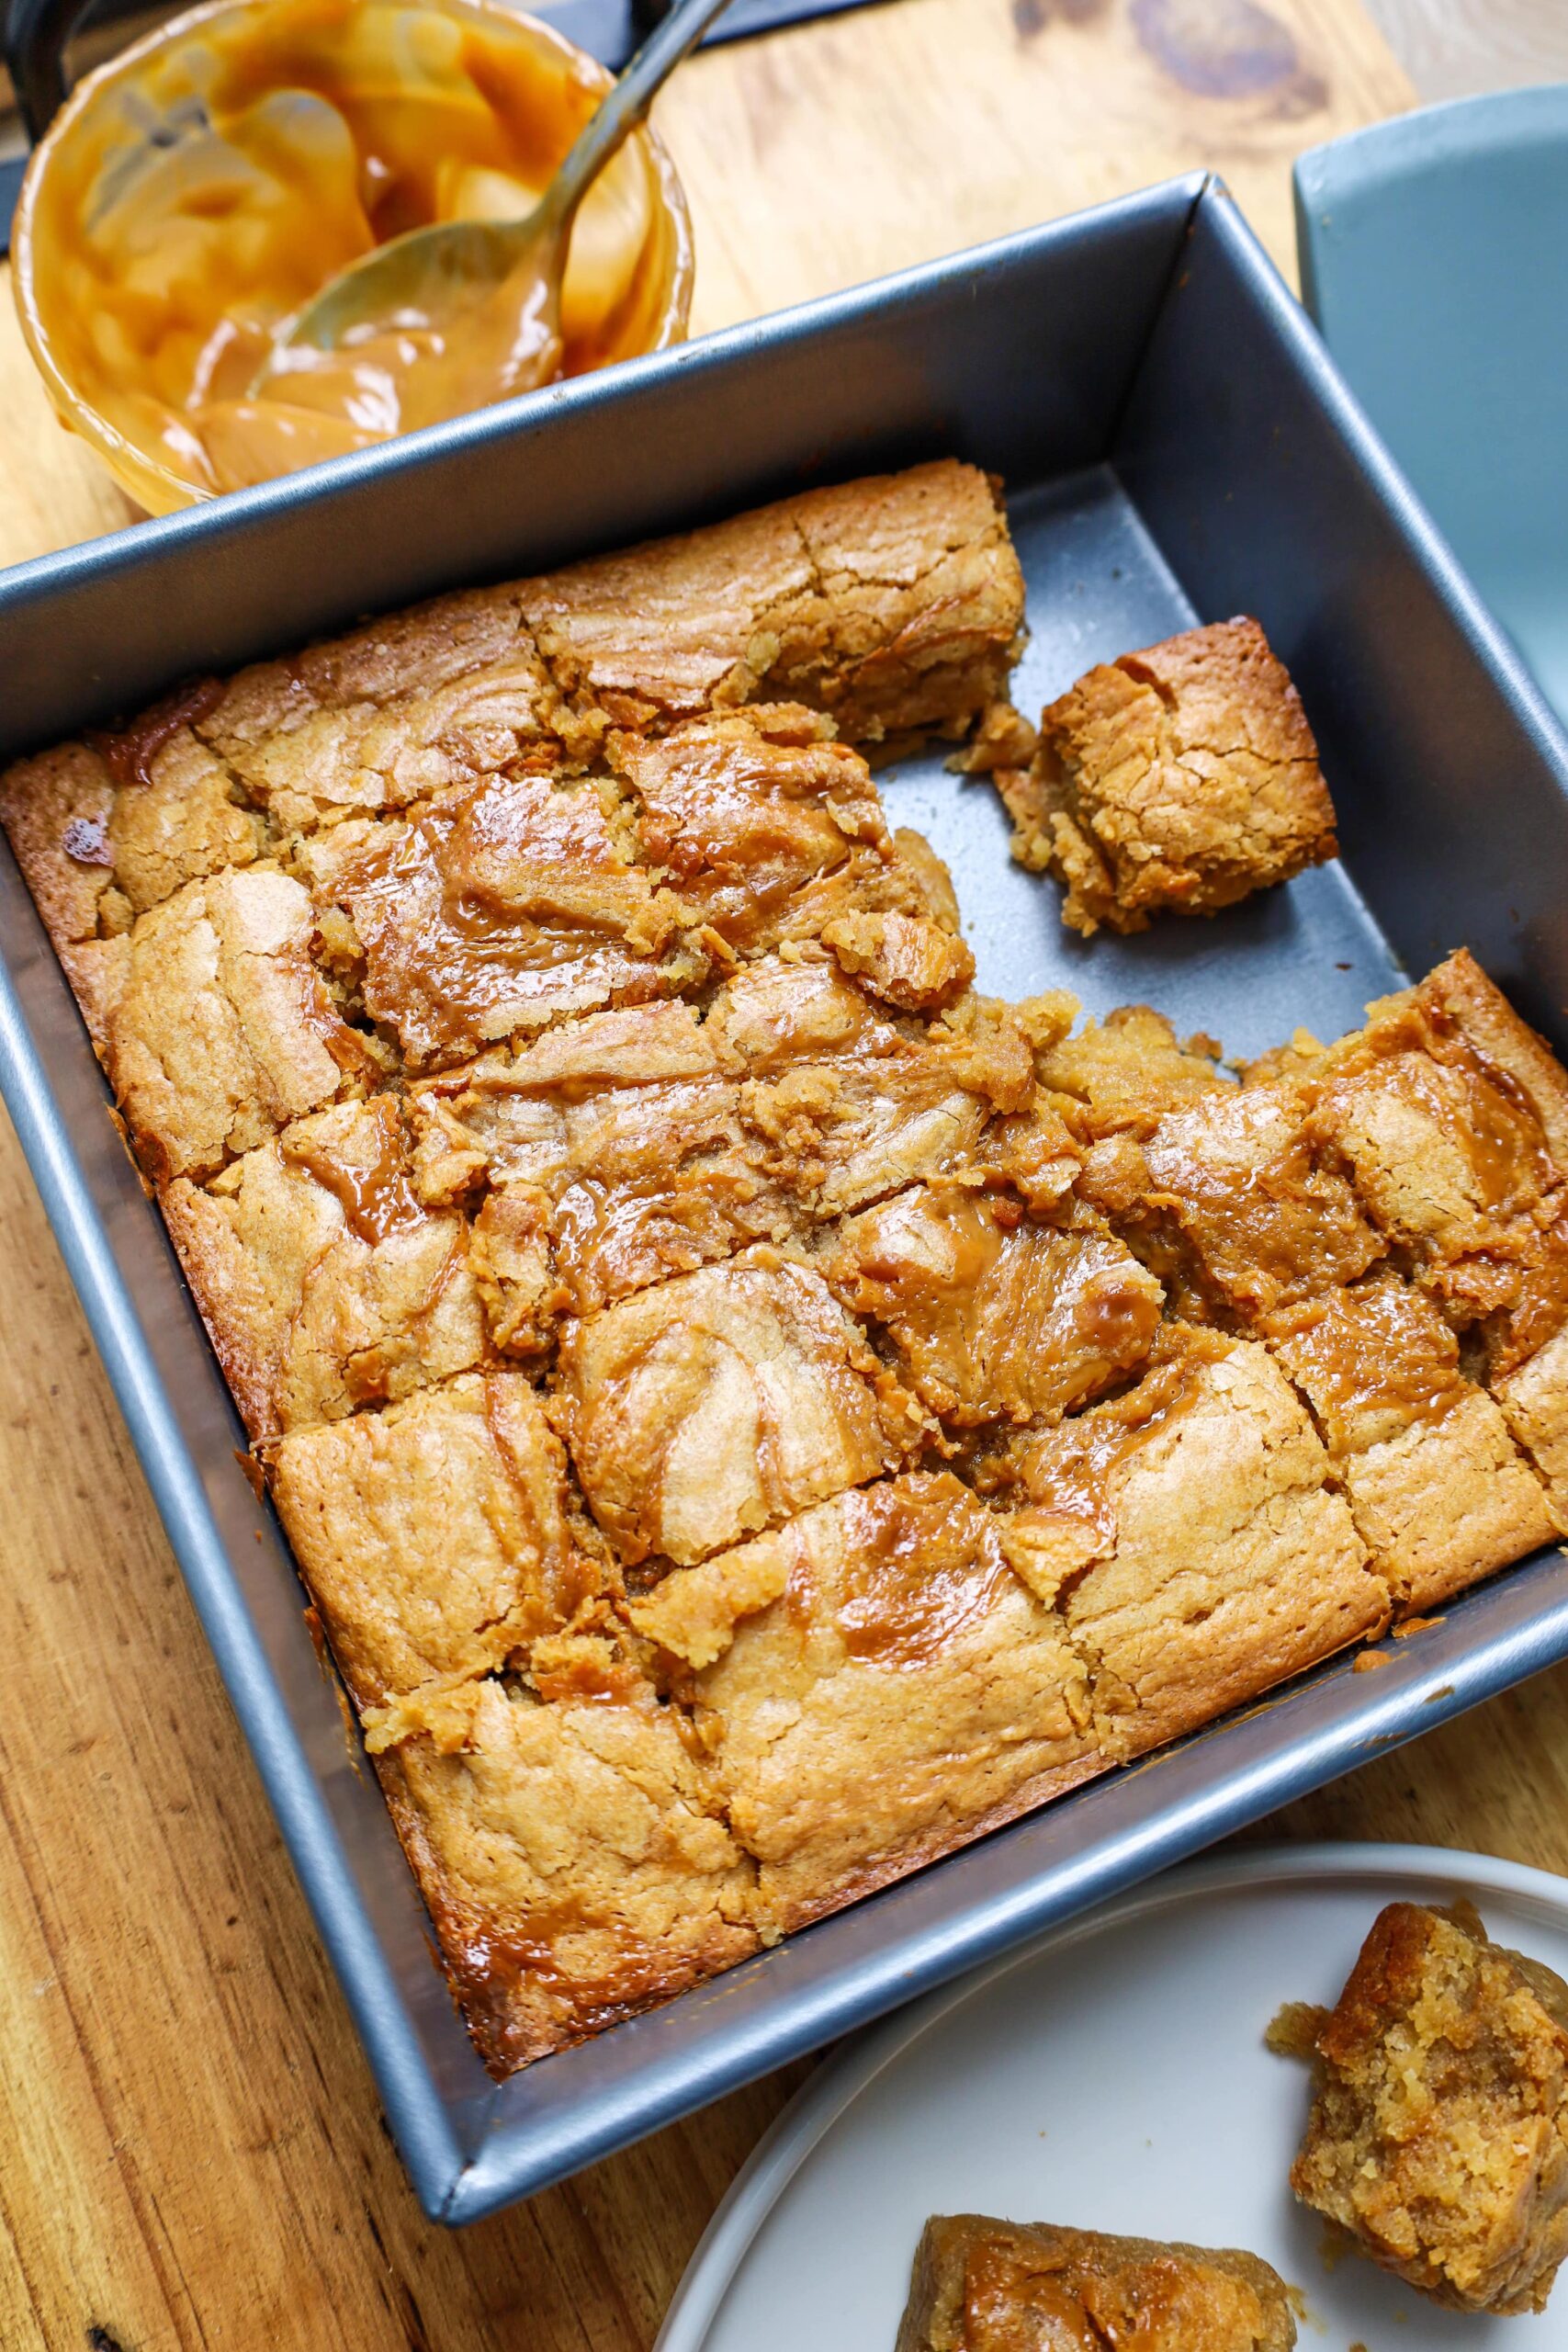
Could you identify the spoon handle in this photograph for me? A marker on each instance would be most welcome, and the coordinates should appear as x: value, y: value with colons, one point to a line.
x: 627, y: 103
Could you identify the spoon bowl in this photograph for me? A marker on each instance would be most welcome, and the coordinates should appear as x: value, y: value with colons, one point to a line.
x: 466, y: 312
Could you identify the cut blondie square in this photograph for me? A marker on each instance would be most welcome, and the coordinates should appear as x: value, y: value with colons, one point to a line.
x: 844, y: 1106
x: 614, y: 1155
x: 1439, y: 2136
x: 569, y: 1848
x: 1183, y: 778
x: 323, y: 1281
x: 875, y: 1687
x: 771, y: 832
x: 1438, y: 1490
x: 214, y: 1025
x: 1534, y: 1399
x: 980, y: 2285
x: 1235, y: 1188
x: 991, y: 1315
x: 1189, y: 1533
x: 105, y: 831
x: 503, y: 910
x: 706, y: 1409
x: 894, y: 605
x: 436, y: 1536
x: 1451, y: 1119
x: 412, y: 706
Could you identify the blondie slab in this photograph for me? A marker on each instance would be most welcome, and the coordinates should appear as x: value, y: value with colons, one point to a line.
x: 989, y: 1314
x: 434, y: 1536
x: 1189, y: 1533
x: 985, y: 2286
x: 323, y: 1281
x: 875, y: 1687
x: 569, y: 1848
x: 1440, y: 1494
x: 213, y: 1022
x: 1439, y: 2134
x: 1182, y: 779
x: 699, y: 1412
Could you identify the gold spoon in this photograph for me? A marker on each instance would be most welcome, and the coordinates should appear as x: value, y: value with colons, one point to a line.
x: 453, y: 317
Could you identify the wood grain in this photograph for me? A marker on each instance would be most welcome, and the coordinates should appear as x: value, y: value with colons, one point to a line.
x: 1452, y: 49
x: 191, y: 2153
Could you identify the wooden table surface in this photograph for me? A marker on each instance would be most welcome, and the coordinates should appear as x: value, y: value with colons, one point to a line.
x: 191, y: 2153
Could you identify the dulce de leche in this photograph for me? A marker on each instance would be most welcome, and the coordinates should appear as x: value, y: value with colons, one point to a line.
x: 199, y: 190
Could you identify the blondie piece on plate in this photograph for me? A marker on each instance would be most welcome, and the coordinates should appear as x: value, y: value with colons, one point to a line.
x: 1439, y: 2136
x: 1181, y: 778
x: 986, y: 2286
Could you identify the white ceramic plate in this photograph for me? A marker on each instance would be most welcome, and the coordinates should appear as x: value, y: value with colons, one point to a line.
x: 1114, y: 2076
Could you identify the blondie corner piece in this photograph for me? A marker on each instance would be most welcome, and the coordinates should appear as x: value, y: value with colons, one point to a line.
x: 986, y: 2286
x: 1181, y: 778
x: 568, y: 1848
x: 1438, y: 2137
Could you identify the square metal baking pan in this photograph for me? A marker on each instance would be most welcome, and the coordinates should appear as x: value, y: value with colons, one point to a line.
x: 1175, y: 444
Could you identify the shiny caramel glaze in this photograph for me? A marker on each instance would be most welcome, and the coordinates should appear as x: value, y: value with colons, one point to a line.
x: 375, y: 1191
x: 990, y: 2286
x: 993, y: 1315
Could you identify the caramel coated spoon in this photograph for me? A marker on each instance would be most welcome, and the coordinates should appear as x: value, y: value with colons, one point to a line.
x: 468, y: 311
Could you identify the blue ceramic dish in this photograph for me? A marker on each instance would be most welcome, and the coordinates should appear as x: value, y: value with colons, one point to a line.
x: 1434, y: 257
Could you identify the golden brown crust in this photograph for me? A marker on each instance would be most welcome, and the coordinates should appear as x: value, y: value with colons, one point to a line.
x: 980, y: 2285
x: 1439, y: 2134
x: 1191, y: 1534
x: 1182, y: 779
x: 879, y: 1688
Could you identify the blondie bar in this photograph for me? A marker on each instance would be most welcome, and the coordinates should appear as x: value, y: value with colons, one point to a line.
x: 1182, y: 779
x: 986, y: 2286
x: 1438, y: 2137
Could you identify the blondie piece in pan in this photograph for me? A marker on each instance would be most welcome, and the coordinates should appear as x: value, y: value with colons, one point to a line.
x: 750, y: 1413
x: 1439, y: 2136
x: 985, y: 2286
x: 1181, y: 778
